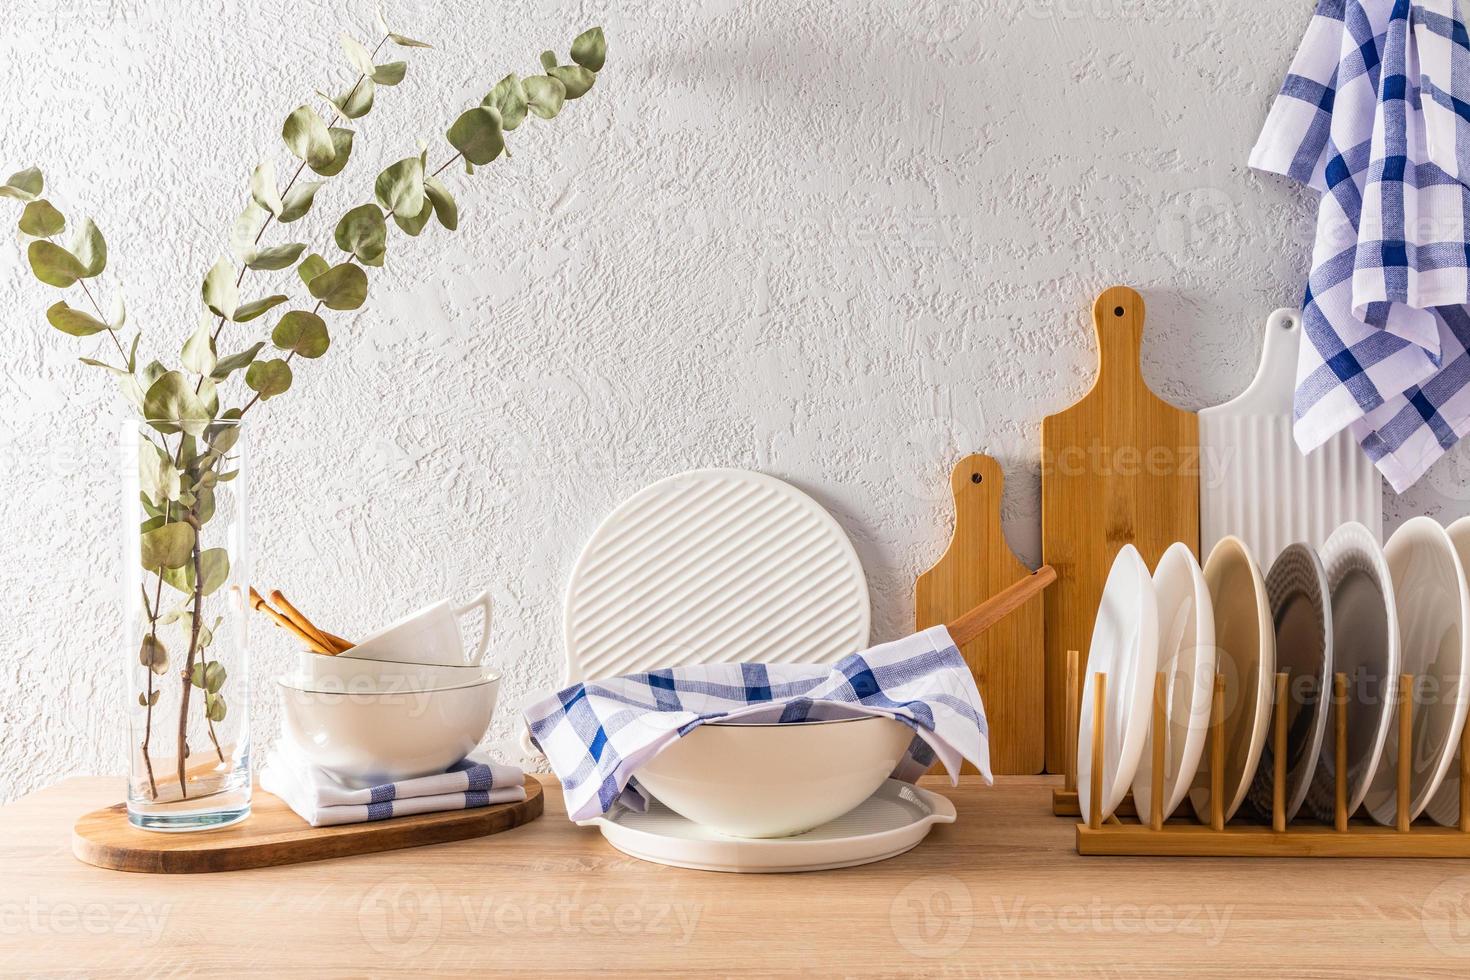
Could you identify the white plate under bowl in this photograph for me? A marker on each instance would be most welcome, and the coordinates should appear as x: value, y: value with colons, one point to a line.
x: 1125, y: 646
x: 1187, y: 659
x: 1444, y: 807
x: 1434, y: 627
x: 775, y: 780
x: 891, y: 821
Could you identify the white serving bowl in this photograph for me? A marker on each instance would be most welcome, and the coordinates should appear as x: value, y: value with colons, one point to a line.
x: 369, y: 739
x: 775, y: 780
x: 355, y: 675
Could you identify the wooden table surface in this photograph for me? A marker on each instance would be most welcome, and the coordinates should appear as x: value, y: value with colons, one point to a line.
x: 999, y: 893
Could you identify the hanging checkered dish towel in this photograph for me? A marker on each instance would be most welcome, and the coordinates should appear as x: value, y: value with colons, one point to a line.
x: 1375, y: 115
x: 597, y: 734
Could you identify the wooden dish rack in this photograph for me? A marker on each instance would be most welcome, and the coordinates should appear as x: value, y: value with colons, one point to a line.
x: 1186, y: 837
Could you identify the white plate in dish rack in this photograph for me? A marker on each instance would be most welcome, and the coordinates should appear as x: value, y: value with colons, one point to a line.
x: 891, y: 821
x: 714, y: 566
x: 1254, y: 482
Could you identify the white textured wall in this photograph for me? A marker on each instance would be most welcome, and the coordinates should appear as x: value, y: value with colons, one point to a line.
x: 837, y: 242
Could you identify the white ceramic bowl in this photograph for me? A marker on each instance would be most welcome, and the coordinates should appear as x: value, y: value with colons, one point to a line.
x: 775, y: 780
x: 354, y: 675
x: 369, y: 739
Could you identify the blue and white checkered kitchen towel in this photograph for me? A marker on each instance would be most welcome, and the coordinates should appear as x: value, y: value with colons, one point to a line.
x: 1373, y: 114
x: 322, y: 801
x: 597, y: 734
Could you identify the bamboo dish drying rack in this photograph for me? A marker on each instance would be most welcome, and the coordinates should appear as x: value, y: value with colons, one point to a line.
x: 1184, y: 837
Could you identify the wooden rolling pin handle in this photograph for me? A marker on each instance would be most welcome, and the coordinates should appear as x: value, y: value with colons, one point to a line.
x: 1000, y: 605
x: 258, y: 603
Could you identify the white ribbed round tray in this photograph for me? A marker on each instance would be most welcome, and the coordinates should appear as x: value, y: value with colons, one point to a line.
x: 891, y: 821
x: 714, y: 566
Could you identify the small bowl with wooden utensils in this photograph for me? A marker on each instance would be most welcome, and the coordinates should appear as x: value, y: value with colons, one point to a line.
x: 366, y: 739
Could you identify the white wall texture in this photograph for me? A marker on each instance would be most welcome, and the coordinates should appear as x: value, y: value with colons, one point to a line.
x: 841, y: 243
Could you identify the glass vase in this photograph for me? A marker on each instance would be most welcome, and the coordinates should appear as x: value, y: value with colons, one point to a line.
x: 185, y: 639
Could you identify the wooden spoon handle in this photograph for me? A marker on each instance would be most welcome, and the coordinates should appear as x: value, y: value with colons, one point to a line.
x: 998, y: 606
x: 258, y: 603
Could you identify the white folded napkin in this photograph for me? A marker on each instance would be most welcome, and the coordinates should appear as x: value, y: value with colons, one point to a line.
x: 322, y: 801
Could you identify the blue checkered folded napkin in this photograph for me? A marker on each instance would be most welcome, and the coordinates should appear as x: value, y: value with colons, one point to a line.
x: 322, y: 801
x: 597, y: 734
x: 1373, y: 115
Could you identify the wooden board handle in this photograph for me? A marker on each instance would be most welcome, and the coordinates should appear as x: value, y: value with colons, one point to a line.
x: 998, y: 606
x: 1117, y: 315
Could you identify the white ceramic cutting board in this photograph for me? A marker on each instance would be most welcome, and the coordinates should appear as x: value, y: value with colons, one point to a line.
x: 1256, y: 484
x: 714, y: 566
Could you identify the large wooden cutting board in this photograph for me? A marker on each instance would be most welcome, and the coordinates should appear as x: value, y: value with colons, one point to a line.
x: 1119, y: 467
x: 1007, y: 660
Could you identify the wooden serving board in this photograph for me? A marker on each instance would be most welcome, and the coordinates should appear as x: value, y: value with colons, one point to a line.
x: 1119, y: 467
x: 274, y: 835
x: 1008, y: 659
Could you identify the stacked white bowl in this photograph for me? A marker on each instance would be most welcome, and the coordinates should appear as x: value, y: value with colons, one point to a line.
x: 407, y: 701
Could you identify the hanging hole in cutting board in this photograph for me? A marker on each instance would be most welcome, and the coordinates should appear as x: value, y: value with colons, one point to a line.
x: 976, y: 478
x: 1117, y: 311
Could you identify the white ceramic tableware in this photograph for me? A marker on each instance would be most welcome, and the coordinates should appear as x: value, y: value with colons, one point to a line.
x: 1187, y: 659
x: 1125, y: 646
x: 1444, y: 806
x: 354, y: 675
x: 1254, y: 481
x: 1365, y: 647
x: 1300, y: 610
x: 430, y: 636
x: 775, y: 780
x: 369, y: 739
x: 1245, y: 653
x: 889, y: 822
x: 1434, y: 611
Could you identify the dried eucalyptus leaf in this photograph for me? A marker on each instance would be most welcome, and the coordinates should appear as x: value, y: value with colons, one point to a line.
x: 574, y: 78
x: 90, y: 249
x: 223, y: 435
x: 306, y: 136
x: 443, y: 202
x: 23, y: 185
x: 311, y: 267
x: 72, y: 321
x: 509, y: 96
x: 299, y: 199
x: 400, y: 188
x: 476, y: 134
x: 363, y: 232
x: 342, y: 144
x: 171, y: 404
x: 268, y: 378
x: 158, y: 478
x: 220, y: 293
x: 357, y: 101
x: 276, y: 257
x: 198, y: 354
x: 93, y: 362
x: 407, y: 42
x: 169, y: 546
x: 545, y: 95
x: 117, y: 318
x: 390, y: 74
x: 263, y: 189
x: 302, y: 332
x: 204, y: 504
x: 249, y: 311
x: 214, y: 566
x: 415, y: 224
x: 590, y: 49
x: 153, y: 655
x: 357, y: 55
x: 246, y: 230
x: 342, y: 287
x: 548, y: 60
x: 234, y: 362
x: 41, y: 220
x: 214, y: 707
x: 54, y: 265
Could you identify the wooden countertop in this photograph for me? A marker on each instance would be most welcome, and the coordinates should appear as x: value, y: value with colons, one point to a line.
x: 999, y: 893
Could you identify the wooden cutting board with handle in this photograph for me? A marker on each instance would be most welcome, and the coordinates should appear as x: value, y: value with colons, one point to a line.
x: 1119, y: 467
x: 1007, y: 660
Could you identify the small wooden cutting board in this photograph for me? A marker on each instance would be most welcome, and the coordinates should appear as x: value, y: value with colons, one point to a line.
x: 1007, y: 660
x: 1119, y: 467
x: 273, y: 834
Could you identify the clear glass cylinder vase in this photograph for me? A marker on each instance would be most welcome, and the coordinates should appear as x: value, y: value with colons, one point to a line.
x: 185, y: 640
